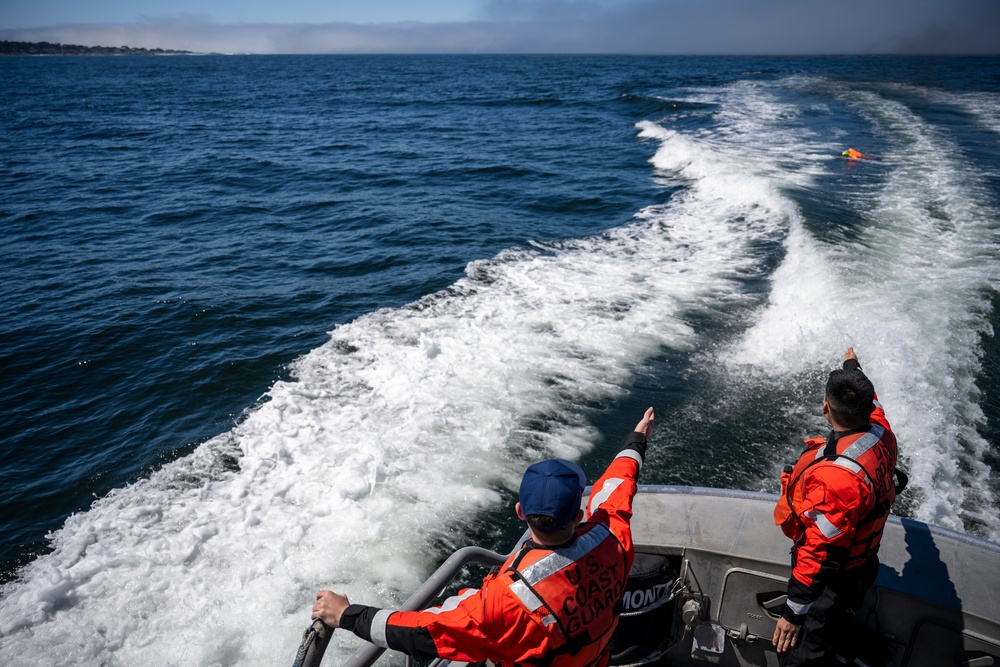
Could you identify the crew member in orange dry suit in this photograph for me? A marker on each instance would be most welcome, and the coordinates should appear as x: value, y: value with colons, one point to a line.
x: 552, y: 603
x: 834, y: 504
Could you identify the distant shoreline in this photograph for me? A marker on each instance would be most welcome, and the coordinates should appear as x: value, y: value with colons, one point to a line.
x: 56, y: 49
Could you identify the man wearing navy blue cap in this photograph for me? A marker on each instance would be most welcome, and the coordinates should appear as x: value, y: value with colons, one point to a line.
x: 553, y: 600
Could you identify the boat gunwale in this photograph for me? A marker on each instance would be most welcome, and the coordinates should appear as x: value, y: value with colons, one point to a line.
x: 760, y: 496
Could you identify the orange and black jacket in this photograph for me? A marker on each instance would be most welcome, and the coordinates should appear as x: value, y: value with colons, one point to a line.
x: 834, y: 504
x: 545, y: 606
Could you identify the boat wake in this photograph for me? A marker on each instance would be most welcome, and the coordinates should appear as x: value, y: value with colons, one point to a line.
x: 426, y: 415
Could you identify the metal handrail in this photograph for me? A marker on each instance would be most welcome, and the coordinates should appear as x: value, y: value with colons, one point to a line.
x: 431, y: 588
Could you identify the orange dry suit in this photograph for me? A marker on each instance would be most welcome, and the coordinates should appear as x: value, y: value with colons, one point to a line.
x: 545, y: 606
x: 834, y: 504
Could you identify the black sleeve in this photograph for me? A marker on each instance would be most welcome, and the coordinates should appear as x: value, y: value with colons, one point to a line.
x: 414, y: 641
x: 635, y: 441
x: 833, y: 565
x: 357, y: 618
x: 852, y: 365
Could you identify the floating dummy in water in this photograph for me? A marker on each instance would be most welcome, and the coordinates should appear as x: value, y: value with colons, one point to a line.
x: 852, y: 154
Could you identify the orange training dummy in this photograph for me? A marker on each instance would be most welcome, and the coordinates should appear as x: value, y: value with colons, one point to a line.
x: 854, y: 155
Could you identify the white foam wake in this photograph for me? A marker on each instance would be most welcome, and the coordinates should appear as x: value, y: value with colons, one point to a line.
x: 408, y: 419
x: 911, y: 293
x: 416, y: 418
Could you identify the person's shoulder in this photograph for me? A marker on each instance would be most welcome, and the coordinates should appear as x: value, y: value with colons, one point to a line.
x: 841, y: 482
x: 837, y: 471
x: 878, y: 417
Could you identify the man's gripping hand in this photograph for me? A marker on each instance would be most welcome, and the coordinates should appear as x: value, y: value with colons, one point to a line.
x: 330, y: 607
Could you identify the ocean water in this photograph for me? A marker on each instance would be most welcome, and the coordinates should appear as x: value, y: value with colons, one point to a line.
x: 276, y: 324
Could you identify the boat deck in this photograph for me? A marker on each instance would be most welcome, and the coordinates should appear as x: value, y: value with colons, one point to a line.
x: 936, y: 602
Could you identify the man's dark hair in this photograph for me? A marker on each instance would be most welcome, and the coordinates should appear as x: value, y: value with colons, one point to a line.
x: 545, y: 523
x: 549, y: 528
x: 851, y: 396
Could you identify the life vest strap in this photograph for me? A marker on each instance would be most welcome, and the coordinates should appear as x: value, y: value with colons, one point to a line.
x: 574, y: 644
x: 878, y: 510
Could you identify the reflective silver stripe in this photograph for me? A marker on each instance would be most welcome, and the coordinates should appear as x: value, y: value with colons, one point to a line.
x: 561, y: 558
x: 827, y: 528
x: 877, y: 404
x: 797, y: 608
x: 865, y: 442
x: 630, y: 454
x: 452, y: 602
x: 850, y: 464
x: 552, y: 563
x: 378, y: 627
x: 530, y: 600
x: 853, y: 466
x: 609, y: 487
x: 524, y: 594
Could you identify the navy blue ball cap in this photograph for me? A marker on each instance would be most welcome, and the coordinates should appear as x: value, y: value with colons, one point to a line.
x: 552, y: 488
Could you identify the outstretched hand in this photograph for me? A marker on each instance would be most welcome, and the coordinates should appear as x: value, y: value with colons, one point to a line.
x: 645, y: 425
x: 850, y: 354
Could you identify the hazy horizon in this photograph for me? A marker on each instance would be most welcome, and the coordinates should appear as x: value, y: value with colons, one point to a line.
x: 640, y: 27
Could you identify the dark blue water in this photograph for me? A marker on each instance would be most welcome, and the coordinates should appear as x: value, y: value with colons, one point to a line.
x: 578, y: 237
x: 180, y: 229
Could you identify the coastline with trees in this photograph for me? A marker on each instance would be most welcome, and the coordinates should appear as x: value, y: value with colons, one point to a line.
x: 56, y: 49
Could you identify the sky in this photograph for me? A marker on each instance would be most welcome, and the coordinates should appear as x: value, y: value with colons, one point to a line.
x: 695, y: 27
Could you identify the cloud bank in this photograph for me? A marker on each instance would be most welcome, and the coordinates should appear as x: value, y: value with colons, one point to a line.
x: 672, y: 27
